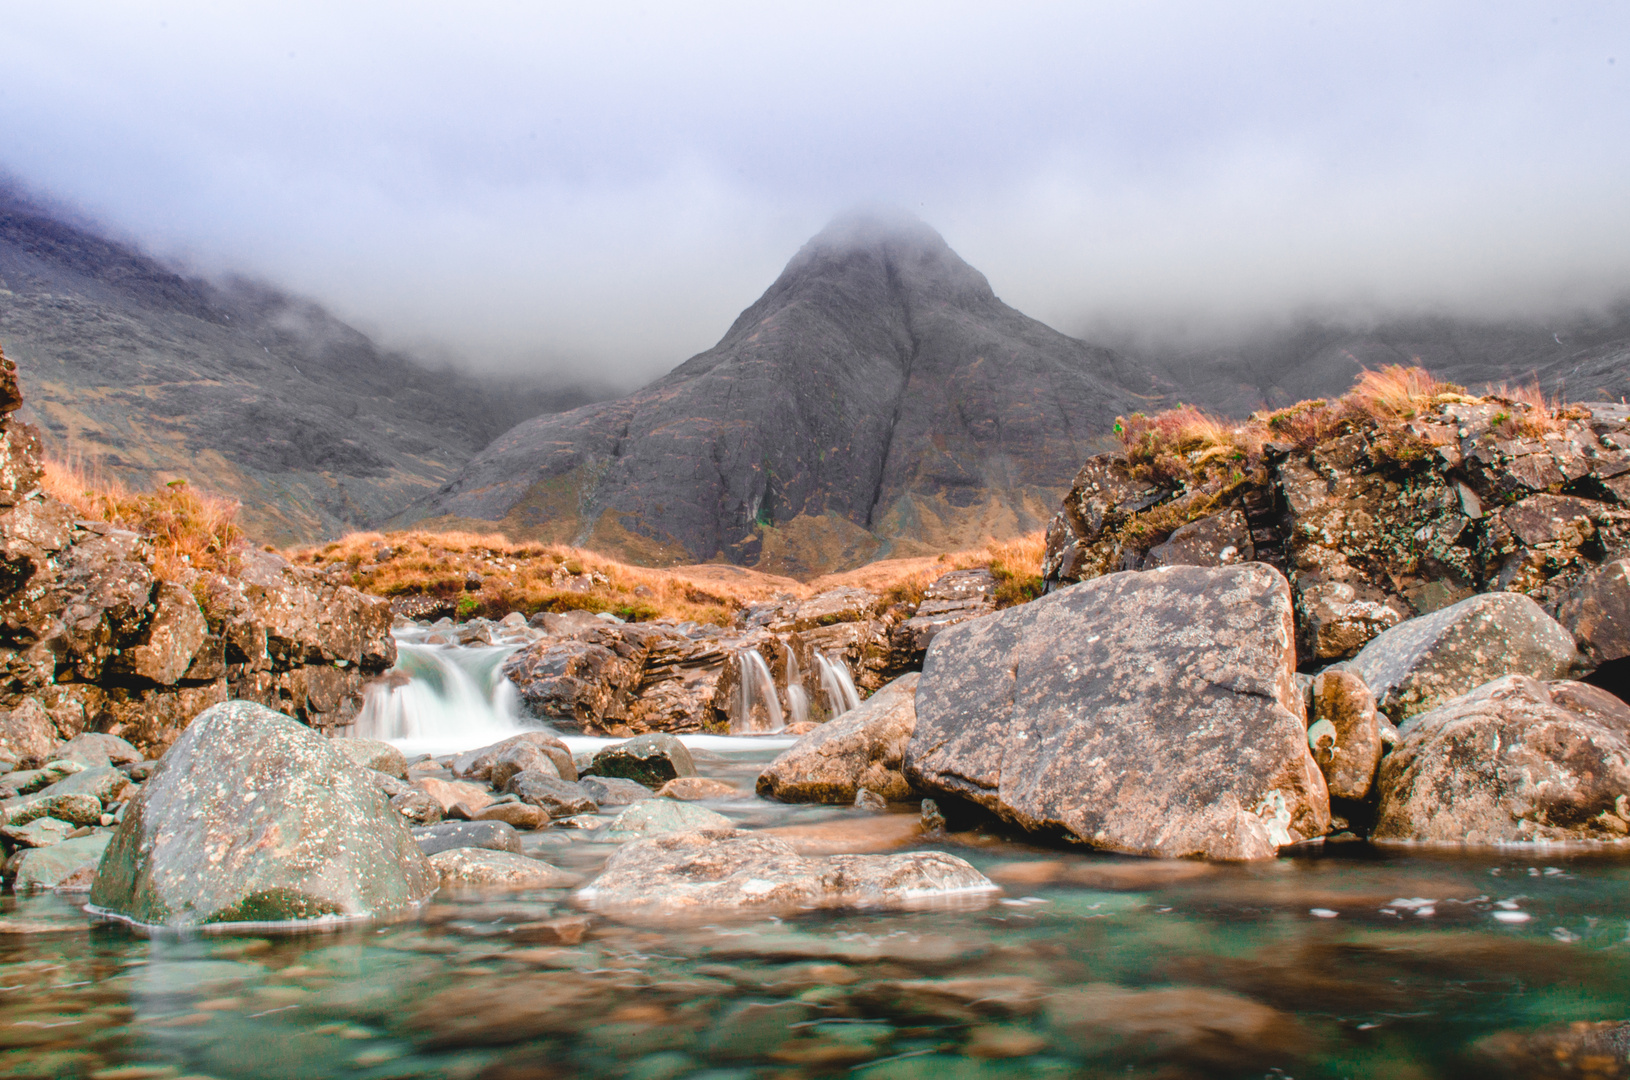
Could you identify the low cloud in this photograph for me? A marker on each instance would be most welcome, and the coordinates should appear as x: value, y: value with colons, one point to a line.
x: 601, y: 191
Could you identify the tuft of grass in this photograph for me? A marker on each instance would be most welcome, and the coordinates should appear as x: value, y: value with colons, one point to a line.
x: 1396, y: 393
x: 190, y: 528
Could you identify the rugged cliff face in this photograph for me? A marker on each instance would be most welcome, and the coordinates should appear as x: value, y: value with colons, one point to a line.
x: 877, y: 400
x: 1395, y: 501
x: 93, y: 638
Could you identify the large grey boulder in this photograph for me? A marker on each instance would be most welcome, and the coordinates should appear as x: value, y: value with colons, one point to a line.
x: 251, y: 817
x: 1422, y: 663
x: 1514, y: 760
x: 1597, y: 612
x: 861, y: 749
x: 707, y: 872
x: 1152, y: 713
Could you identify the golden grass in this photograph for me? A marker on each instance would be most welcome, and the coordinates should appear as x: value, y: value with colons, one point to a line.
x: 531, y: 577
x: 190, y: 528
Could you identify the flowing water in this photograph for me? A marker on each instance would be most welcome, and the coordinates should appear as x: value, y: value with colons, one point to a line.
x: 837, y: 685
x: 1344, y: 962
x: 757, y: 688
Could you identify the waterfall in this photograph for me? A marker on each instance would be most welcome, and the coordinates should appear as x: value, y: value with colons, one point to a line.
x: 837, y: 684
x: 797, y: 699
x: 757, y: 686
x: 443, y: 696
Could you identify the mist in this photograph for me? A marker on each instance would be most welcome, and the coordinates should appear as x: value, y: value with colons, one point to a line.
x: 601, y: 191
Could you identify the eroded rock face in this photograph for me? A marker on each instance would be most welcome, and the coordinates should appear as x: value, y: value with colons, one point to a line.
x: 1597, y: 612
x: 1419, y: 664
x: 252, y: 817
x: 1514, y: 760
x: 1378, y: 522
x: 863, y: 749
x: 1150, y: 713
x: 1352, y: 752
x: 707, y: 872
x: 1218, y: 540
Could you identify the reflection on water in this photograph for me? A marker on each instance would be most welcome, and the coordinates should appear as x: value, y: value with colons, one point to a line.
x: 1363, y: 965
x: 1347, y: 963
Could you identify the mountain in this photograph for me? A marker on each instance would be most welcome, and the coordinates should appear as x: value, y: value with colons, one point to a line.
x: 877, y: 400
x: 141, y: 374
x: 1577, y: 358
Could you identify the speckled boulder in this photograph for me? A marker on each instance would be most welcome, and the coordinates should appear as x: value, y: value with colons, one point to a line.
x: 1422, y: 663
x: 483, y: 868
x: 1514, y: 760
x: 1152, y: 713
x: 707, y: 872
x: 859, y: 750
x: 252, y: 817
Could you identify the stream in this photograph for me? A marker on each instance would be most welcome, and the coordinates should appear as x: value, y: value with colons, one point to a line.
x: 1345, y: 961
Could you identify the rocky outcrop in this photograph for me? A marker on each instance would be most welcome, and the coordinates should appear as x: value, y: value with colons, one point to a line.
x: 1425, y: 661
x: 1151, y: 713
x: 253, y: 817
x: 877, y: 392
x: 1382, y: 519
x: 1514, y: 760
x: 94, y: 639
x: 706, y: 873
x: 862, y: 750
x: 1597, y: 613
x: 953, y: 598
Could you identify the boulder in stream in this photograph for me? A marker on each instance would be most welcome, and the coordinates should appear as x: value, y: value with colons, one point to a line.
x: 655, y: 817
x: 254, y: 817
x: 651, y: 760
x: 483, y: 868
x: 708, y: 872
x: 1423, y: 662
x: 548, y: 792
x: 1152, y: 713
x: 614, y: 790
x: 1514, y: 760
x: 860, y: 750
x: 517, y: 750
x: 493, y: 835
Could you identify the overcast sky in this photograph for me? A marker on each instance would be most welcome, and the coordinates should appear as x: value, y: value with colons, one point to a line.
x: 605, y: 186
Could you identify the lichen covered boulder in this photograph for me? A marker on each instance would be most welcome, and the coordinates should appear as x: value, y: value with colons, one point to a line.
x: 861, y: 749
x: 1150, y: 713
x: 651, y: 760
x: 253, y: 817
x: 1422, y: 663
x: 1514, y: 760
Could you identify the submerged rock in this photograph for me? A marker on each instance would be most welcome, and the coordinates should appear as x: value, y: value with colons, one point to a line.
x: 655, y: 817
x: 493, y: 835
x: 1514, y: 760
x: 697, y: 789
x: 1228, y: 1033
x: 250, y: 817
x: 1151, y: 713
x: 1421, y: 663
x: 861, y: 750
x: 704, y: 872
x: 651, y: 760
x: 1599, y: 1050
x: 473, y: 867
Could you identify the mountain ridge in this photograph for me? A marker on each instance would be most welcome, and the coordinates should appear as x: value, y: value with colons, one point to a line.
x: 877, y: 399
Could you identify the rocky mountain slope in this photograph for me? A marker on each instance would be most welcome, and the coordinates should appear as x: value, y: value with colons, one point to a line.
x: 144, y: 375
x: 877, y: 400
x: 1577, y: 358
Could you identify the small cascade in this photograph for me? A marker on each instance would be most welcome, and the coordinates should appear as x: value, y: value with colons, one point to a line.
x: 797, y: 699
x: 837, y: 684
x: 757, y: 688
x: 442, y: 696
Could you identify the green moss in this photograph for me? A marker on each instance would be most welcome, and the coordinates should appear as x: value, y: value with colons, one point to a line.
x: 275, y: 905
